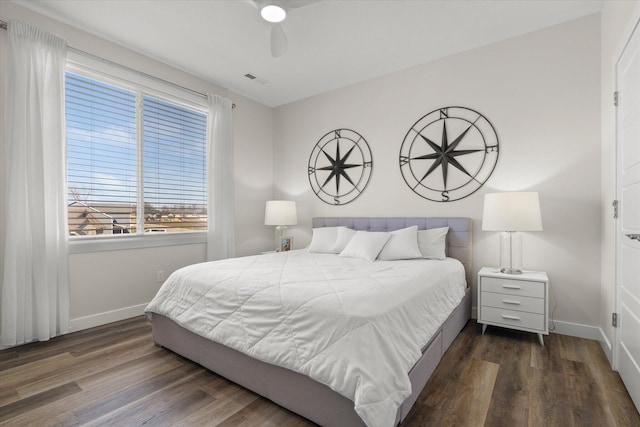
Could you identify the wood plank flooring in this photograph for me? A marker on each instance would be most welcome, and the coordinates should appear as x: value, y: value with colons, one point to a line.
x: 115, y: 375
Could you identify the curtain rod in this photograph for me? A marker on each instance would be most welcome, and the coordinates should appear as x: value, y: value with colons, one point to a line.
x: 4, y: 26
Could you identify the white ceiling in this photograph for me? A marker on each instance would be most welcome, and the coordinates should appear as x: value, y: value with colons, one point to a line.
x: 332, y: 43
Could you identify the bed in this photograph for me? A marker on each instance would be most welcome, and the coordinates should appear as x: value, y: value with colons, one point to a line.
x: 300, y: 384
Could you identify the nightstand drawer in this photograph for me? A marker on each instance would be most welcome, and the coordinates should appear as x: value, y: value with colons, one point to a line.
x: 513, y: 287
x: 513, y: 302
x: 515, y: 319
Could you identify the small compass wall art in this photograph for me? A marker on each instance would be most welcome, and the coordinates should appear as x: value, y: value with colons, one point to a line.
x: 340, y: 166
x: 449, y: 154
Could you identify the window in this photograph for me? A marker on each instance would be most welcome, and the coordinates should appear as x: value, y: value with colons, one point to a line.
x: 136, y: 161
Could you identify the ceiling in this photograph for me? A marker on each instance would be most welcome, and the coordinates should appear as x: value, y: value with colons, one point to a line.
x: 331, y: 43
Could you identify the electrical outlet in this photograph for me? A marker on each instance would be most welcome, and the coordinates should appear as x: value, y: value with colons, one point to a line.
x: 160, y: 276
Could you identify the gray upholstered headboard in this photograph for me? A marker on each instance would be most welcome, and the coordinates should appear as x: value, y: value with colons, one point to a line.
x: 458, y: 239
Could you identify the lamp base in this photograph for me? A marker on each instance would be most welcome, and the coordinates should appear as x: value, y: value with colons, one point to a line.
x: 511, y: 252
x: 281, y: 230
x: 509, y: 270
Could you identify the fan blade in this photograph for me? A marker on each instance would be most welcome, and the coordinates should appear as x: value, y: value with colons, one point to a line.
x: 286, y: 4
x: 278, y: 41
x: 294, y: 4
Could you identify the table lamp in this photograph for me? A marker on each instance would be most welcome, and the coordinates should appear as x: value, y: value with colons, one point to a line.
x: 511, y: 212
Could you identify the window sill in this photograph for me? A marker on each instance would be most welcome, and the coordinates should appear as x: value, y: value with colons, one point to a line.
x: 79, y: 245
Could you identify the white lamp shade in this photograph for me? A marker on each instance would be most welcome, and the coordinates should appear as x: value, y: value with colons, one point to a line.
x: 511, y: 211
x: 280, y: 212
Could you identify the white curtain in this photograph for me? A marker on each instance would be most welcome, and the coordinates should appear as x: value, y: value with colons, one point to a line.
x: 220, y: 199
x: 35, y: 272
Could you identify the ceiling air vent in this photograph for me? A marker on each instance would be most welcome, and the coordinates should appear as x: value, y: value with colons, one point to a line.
x: 256, y: 78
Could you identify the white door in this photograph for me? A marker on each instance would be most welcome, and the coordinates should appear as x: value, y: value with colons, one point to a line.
x: 628, y: 225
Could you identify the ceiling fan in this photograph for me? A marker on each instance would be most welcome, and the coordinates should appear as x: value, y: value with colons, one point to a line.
x: 275, y: 12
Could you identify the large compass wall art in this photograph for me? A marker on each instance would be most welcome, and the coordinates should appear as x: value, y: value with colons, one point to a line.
x: 340, y: 166
x: 449, y: 154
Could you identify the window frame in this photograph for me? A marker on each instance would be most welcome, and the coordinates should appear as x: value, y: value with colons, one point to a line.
x: 142, y: 85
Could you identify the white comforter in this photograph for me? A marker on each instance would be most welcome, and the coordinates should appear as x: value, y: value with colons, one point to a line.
x: 353, y: 325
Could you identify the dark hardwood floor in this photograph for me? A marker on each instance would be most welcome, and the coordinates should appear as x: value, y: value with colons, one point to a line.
x: 115, y: 375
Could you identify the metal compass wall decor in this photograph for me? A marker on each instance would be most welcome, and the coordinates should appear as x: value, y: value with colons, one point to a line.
x: 340, y: 166
x: 449, y: 154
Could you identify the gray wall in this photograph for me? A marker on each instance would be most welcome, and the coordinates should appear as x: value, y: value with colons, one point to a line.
x: 541, y: 91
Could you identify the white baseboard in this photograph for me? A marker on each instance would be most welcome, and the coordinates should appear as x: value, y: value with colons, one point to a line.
x: 572, y: 330
x: 106, y: 317
x: 563, y: 328
x: 576, y: 330
x: 607, y: 347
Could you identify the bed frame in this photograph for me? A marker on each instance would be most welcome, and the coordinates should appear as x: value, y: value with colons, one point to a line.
x: 301, y: 394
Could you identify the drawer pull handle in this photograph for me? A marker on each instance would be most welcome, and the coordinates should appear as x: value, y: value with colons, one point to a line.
x: 507, y: 301
x: 506, y: 316
x: 511, y: 286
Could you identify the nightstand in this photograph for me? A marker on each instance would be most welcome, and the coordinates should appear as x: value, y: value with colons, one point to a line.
x: 514, y: 301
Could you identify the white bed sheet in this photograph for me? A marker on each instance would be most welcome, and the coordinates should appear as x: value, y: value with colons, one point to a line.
x: 353, y: 325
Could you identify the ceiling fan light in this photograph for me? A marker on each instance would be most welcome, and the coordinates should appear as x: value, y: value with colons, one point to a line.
x: 273, y: 13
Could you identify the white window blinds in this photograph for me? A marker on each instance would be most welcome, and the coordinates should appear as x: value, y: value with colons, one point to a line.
x: 132, y: 171
x: 175, y: 166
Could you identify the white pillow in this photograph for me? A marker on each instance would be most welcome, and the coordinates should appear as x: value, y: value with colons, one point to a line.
x: 323, y: 239
x: 365, y: 245
x: 432, y: 242
x: 403, y: 244
x: 344, y: 236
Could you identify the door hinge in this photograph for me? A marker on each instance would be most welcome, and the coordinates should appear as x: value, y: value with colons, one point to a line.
x: 614, y: 320
x: 615, y: 209
x: 615, y: 98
